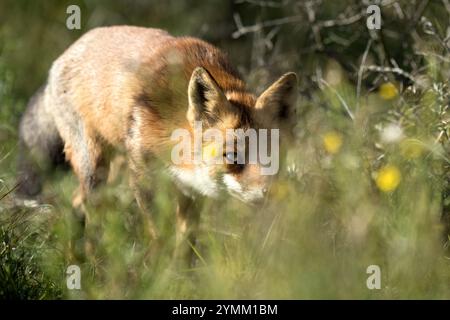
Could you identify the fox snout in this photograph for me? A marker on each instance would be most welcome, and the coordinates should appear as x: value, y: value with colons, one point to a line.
x: 252, y: 196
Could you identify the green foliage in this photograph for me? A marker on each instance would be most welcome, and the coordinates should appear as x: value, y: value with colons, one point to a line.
x: 364, y: 184
x: 23, y: 248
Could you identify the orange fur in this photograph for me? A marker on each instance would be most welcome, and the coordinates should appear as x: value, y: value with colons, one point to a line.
x: 127, y: 88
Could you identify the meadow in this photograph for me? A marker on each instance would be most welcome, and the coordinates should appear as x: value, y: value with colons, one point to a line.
x: 365, y: 182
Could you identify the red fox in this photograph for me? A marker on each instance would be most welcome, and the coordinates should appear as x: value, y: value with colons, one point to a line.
x: 126, y: 89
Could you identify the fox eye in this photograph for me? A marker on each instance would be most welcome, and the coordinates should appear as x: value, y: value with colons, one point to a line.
x: 231, y: 157
x: 233, y: 163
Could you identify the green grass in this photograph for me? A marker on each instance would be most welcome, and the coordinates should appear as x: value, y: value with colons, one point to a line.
x: 325, y: 224
x: 329, y: 217
x: 24, y: 249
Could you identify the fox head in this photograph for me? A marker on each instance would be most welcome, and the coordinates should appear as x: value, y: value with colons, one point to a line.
x: 237, y: 131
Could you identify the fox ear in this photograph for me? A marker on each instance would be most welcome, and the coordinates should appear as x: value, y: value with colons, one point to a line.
x: 275, y: 107
x: 205, y: 97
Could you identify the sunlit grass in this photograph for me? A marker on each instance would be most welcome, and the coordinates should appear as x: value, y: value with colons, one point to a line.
x: 337, y: 208
x: 362, y: 185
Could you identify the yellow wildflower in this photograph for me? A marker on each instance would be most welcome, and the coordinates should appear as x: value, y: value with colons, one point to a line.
x: 332, y: 141
x: 388, y: 91
x: 388, y: 178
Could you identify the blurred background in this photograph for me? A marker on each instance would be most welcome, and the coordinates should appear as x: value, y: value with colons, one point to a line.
x: 365, y: 184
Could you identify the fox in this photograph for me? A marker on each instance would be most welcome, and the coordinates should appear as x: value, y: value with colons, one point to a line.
x: 124, y: 90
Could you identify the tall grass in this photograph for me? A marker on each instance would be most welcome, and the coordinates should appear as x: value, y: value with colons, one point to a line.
x: 362, y: 185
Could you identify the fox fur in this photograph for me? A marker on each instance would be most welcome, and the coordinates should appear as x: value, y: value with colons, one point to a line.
x: 126, y: 89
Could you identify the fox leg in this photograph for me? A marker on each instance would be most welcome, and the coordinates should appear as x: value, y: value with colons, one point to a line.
x: 187, y: 222
x: 139, y: 182
x: 85, y: 157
